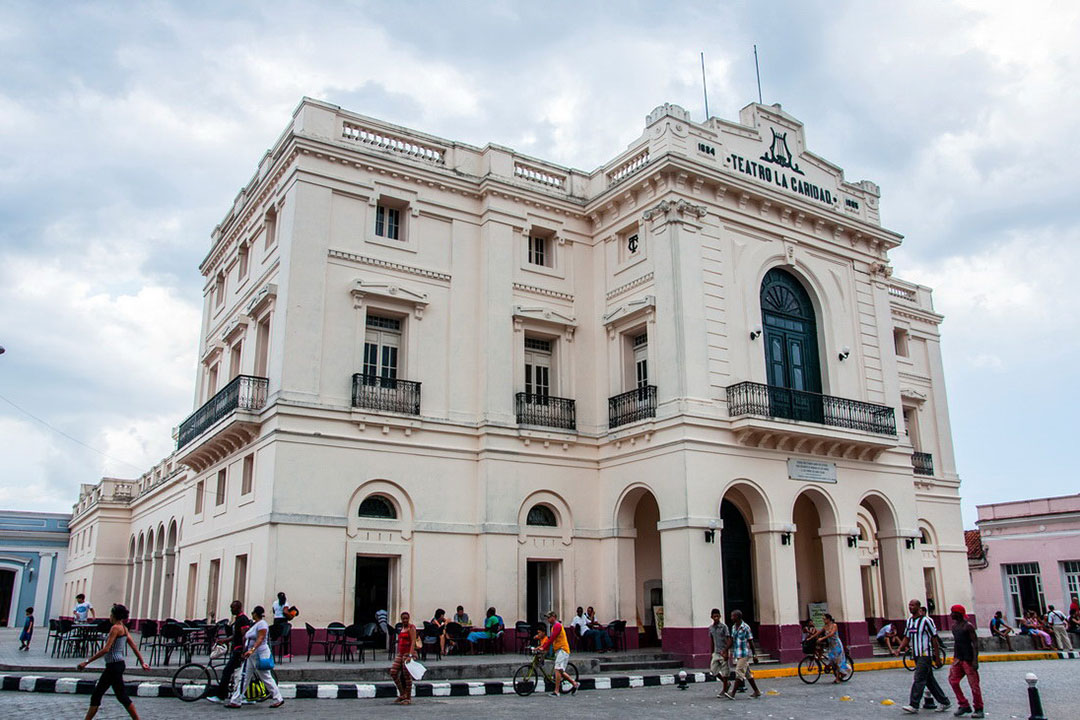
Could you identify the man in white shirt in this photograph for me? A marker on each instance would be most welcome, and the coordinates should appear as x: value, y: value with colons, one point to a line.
x: 83, y: 609
x: 580, y: 622
x: 1059, y: 626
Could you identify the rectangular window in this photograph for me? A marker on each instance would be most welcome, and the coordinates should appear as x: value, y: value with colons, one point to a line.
x: 1025, y: 588
x: 247, y: 481
x: 270, y: 229
x: 900, y: 341
x: 262, y: 346
x: 222, y: 477
x: 219, y: 290
x: 235, y: 355
x: 200, y: 487
x: 538, y: 251
x: 192, y: 589
x: 387, y: 222
x: 537, y: 368
x: 242, y: 262
x: 211, y: 381
x: 641, y: 360
x: 381, y: 349
x: 240, y: 578
x: 212, y: 584
x: 911, y: 427
x: 1072, y: 580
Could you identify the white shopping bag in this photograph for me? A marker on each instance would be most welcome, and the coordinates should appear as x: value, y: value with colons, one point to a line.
x: 415, y: 669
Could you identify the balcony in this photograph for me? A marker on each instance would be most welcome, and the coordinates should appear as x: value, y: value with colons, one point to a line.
x: 632, y: 406
x: 239, y: 402
x: 762, y: 415
x: 546, y: 411
x: 384, y: 394
x: 923, y: 463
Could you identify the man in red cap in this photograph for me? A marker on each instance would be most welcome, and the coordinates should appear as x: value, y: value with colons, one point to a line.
x: 965, y: 663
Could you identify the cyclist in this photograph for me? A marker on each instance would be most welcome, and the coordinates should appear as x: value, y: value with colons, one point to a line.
x: 557, y: 640
x: 240, y: 625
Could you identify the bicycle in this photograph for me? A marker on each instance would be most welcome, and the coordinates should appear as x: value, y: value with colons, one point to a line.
x: 938, y: 659
x: 814, y: 664
x: 194, y: 681
x: 526, y: 678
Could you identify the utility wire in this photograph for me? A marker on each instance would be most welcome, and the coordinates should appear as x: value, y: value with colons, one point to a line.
x: 72, y: 439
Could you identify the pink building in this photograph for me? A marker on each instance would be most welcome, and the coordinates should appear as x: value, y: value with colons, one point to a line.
x: 1030, y: 556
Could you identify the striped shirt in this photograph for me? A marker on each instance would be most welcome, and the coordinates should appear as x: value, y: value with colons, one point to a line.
x: 920, y: 632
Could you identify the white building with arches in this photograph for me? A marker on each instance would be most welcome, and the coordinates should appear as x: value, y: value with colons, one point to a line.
x: 434, y: 374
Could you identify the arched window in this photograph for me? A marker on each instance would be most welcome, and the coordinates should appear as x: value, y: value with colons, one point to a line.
x: 924, y: 537
x: 542, y: 516
x: 376, y: 506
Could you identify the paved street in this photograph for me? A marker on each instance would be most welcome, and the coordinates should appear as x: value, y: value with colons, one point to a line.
x: 1003, y: 684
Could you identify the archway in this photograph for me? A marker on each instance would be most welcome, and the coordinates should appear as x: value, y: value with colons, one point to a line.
x: 170, y: 571
x: 129, y: 598
x: 159, y: 560
x: 136, y: 590
x: 792, y: 367
x: 148, y: 576
x: 640, y: 512
x: 736, y: 553
x: 817, y: 565
x: 884, y: 571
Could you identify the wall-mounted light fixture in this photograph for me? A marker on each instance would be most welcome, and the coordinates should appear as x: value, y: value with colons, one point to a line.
x: 755, y: 333
x: 710, y: 534
x: 785, y: 538
x: 845, y: 353
x: 909, y: 543
x: 853, y: 540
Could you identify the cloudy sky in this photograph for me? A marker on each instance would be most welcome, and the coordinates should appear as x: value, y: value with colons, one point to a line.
x: 126, y: 130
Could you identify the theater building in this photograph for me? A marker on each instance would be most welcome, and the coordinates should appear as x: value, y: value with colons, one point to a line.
x: 434, y: 374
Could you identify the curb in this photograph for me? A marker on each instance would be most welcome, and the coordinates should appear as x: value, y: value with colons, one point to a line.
x: 360, y: 691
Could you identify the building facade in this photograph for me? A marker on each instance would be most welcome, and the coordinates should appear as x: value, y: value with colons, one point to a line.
x: 433, y: 374
x: 1030, y: 557
x: 33, y: 554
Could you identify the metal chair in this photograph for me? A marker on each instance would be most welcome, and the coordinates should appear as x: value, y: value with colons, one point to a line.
x: 456, y: 634
x: 335, y: 636
x: 617, y: 630
x: 312, y: 642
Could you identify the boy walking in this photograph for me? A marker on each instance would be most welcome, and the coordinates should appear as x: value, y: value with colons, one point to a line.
x: 27, y: 633
x: 965, y: 663
x: 742, y: 641
x: 721, y: 650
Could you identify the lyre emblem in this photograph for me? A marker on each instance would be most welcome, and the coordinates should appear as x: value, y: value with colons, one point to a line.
x: 779, y: 153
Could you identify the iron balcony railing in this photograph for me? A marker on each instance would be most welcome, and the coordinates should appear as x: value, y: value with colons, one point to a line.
x: 750, y: 398
x: 628, y: 407
x: 923, y: 463
x: 545, y: 410
x: 374, y: 392
x: 244, y: 392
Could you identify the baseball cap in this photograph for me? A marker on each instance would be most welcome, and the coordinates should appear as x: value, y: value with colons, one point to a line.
x: 958, y: 609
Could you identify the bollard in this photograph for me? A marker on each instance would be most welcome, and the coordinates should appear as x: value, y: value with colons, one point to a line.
x: 1034, y: 701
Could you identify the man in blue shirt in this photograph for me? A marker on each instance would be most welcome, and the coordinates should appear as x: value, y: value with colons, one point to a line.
x: 742, y: 649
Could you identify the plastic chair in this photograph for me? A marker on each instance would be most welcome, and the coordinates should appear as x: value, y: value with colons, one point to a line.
x: 172, y: 638
x: 617, y: 630
x: 429, y: 637
x: 335, y: 636
x: 522, y: 635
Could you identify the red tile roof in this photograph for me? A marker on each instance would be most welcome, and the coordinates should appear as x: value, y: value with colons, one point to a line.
x: 973, y: 540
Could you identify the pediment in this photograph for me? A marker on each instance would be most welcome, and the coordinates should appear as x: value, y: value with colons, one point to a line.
x: 631, y: 308
x: 389, y: 291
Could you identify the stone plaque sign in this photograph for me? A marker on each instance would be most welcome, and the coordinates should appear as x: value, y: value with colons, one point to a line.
x: 813, y: 470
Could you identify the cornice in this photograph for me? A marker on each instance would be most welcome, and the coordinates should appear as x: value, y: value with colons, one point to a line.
x: 543, y: 291
x: 388, y: 265
x: 622, y: 289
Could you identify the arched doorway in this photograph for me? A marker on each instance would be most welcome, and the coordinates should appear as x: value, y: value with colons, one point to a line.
x: 641, y: 604
x: 170, y: 571
x: 881, y: 578
x: 817, y: 565
x: 736, y: 557
x: 792, y: 366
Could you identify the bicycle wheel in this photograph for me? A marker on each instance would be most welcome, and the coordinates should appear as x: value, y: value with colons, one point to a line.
x: 845, y: 676
x: 572, y: 672
x: 809, y: 669
x: 525, y: 680
x: 191, y: 682
x: 909, y: 661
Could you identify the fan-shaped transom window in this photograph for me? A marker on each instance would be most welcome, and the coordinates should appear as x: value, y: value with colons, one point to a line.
x: 782, y: 293
x: 376, y: 506
x: 924, y: 537
x: 542, y: 516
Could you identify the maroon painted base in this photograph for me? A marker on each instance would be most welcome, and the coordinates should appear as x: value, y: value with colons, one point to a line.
x: 691, y: 645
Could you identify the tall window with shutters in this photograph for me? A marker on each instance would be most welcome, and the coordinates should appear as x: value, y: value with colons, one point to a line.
x: 382, y: 346
x: 640, y: 344
x: 387, y: 221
